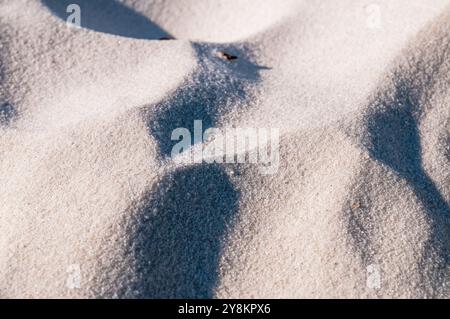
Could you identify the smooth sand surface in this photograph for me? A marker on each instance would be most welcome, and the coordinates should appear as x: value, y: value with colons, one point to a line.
x: 93, y: 205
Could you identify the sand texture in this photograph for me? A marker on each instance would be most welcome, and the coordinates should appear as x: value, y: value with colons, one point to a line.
x: 93, y: 205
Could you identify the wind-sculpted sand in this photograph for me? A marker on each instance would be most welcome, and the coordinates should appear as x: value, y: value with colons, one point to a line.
x: 94, y: 205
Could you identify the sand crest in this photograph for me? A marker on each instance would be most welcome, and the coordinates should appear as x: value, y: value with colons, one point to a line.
x: 93, y: 204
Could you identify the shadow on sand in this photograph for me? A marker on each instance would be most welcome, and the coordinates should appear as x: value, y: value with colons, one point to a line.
x: 395, y: 141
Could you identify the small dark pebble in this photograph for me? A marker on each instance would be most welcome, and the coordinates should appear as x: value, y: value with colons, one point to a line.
x: 227, y: 56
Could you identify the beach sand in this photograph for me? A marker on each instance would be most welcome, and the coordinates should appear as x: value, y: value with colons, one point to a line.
x: 94, y: 205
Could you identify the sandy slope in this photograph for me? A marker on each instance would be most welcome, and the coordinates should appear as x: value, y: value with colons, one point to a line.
x: 358, y: 208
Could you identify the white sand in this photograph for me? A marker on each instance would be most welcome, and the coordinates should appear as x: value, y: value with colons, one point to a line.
x: 92, y: 205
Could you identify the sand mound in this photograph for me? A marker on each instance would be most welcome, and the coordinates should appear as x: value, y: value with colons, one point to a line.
x: 93, y: 204
x: 218, y: 21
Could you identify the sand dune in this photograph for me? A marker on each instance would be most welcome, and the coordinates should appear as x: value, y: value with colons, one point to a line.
x: 93, y: 204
